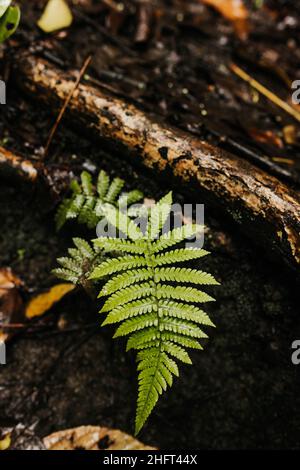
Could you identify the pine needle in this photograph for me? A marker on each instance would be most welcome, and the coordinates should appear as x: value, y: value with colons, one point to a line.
x: 66, y: 103
x: 264, y: 91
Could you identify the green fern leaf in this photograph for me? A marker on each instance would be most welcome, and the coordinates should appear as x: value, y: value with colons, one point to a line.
x: 187, y: 311
x: 137, y: 323
x: 87, y: 204
x: 131, y: 309
x: 177, y: 352
x: 77, y: 267
x: 76, y: 203
x: 66, y: 275
x: 115, y: 265
x: 180, y: 255
x: 124, y: 280
x: 87, y: 183
x: 182, y: 340
x: 140, y: 338
x: 188, y: 294
x: 121, y: 245
x: 84, y: 248
x: 61, y: 214
x: 155, y: 306
x: 114, y: 190
x: 70, y: 264
x: 128, y: 295
x: 159, y: 215
x: 176, y: 236
x: 128, y: 199
x: 102, y: 184
x: 122, y: 222
x: 192, y: 276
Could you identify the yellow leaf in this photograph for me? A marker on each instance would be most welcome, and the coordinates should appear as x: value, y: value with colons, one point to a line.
x: 57, y: 15
x: 5, y: 442
x: 234, y: 11
x: 43, y: 302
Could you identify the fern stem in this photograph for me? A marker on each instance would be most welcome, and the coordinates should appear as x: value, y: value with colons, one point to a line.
x: 149, y: 259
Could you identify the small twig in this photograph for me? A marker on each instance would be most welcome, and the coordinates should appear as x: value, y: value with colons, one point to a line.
x: 287, y: 161
x: 66, y: 103
x: 12, y: 325
x: 264, y: 91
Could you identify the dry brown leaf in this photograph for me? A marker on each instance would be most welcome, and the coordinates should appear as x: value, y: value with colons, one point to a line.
x: 290, y: 134
x: 44, y: 301
x: 93, y: 438
x: 235, y: 11
x: 11, y: 304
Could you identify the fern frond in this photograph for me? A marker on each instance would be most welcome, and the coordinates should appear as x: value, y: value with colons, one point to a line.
x: 77, y: 267
x: 87, y: 203
x: 155, y: 306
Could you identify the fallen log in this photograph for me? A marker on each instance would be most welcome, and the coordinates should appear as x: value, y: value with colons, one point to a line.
x: 15, y: 167
x: 265, y: 209
x: 48, y: 182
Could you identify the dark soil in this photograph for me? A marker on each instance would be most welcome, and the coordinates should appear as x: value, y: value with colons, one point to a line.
x: 242, y: 390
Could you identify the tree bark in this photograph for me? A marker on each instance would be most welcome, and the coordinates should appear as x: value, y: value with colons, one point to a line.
x: 13, y: 166
x: 49, y: 183
x: 265, y: 209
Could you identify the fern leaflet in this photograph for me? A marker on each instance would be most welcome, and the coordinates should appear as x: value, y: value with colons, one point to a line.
x: 77, y: 267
